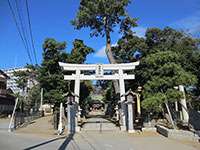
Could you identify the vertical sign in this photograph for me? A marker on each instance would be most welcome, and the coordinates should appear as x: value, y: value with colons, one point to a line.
x: 99, y: 70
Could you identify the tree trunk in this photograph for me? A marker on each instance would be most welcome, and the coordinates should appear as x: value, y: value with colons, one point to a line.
x: 170, y: 115
x: 111, y: 59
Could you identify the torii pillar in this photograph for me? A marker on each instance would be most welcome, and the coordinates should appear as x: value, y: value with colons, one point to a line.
x: 122, y: 101
x: 77, y: 92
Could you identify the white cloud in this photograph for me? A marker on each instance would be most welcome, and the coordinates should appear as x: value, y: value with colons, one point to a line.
x: 101, y: 52
x: 139, y: 31
x: 190, y: 24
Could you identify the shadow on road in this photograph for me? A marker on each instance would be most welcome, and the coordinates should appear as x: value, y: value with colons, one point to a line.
x: 66, y: 142
x: 43, y: 143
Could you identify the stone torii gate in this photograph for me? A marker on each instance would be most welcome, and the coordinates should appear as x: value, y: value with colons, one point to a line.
x: 100, y: 70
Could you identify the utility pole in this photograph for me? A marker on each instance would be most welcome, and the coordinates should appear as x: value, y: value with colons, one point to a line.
x: 11, y: 120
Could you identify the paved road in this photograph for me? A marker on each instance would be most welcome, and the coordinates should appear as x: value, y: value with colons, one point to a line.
x: 90, y: 141
x: 39, y: 135
x: 4, y: 123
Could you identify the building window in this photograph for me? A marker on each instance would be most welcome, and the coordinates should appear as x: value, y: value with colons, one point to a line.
x: 2, y: 85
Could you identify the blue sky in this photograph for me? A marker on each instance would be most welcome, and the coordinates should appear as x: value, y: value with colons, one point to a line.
x: 51, y: 18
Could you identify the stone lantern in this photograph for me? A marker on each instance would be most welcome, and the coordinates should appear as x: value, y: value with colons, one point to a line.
x: 72, y: 123
x: 131, y: 115
x: 70, y: 96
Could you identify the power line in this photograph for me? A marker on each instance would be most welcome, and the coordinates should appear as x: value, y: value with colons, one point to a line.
x: 23, y: 29
x: 31, y: 33
x: 19, y: 31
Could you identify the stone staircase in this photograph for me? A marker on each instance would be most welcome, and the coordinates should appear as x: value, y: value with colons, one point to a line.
x: 99, y: 124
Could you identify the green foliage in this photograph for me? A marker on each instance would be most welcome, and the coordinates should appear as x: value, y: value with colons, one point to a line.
x: 86, y: 87
x: 109, y: 95
x: 101, y: 16
x: 153, y: 102
x: 169, y: 59
x: 34, y: 97
x: 79, y: 52
x: 22, y: 78
x: 126, y: 46
x: 50, y: 73
x: 163, y: 73
x: 169, y: 39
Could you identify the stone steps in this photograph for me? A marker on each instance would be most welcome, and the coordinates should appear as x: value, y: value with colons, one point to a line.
x: 99, y: 124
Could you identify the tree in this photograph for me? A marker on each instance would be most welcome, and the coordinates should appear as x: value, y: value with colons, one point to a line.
x: 185, y: 48
x: 78, y: 55
x: 127, y: 46
x: 22, y: 79
x: 34, y: 97
x: 101, y: 16
x: 86, y: 88
x: 50, y: 73
x: 23, y: 76
x: 79, y: 52
x: 124, y: 53
x: 169, y: 58
x: 164, y: 73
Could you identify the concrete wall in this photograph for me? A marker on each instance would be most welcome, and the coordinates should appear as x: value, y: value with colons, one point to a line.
x: 177, y: 134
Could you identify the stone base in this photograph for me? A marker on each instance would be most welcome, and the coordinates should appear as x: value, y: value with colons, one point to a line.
x: 123, y: 128
x: 153, y: 129
x: 131, y: 131
x: 60, y: 129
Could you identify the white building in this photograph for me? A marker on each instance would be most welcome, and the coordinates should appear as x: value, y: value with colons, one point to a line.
x: 11, y: 82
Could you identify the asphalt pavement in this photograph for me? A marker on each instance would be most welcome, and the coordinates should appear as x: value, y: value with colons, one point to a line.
x: 90, y: 141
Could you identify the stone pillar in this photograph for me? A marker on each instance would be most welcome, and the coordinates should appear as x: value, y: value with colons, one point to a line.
x: 71, y: 120
x: 60, y: 125
x: 122, y: 100
x: 117, y: 113
x: 77, y: 86
x: 176, y: 106
x: 130, y: 117
x: 184, y: 105
x: 76, y: 92
x: 138, y: 105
